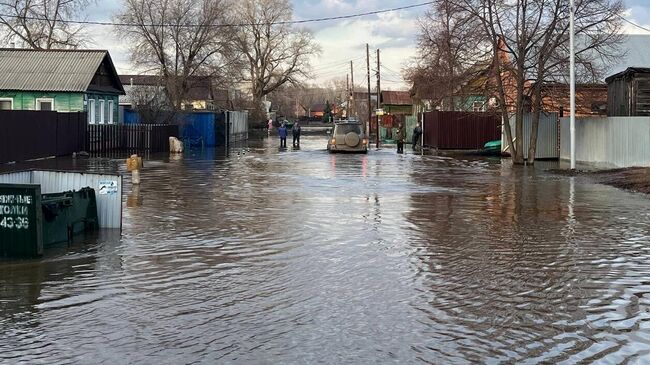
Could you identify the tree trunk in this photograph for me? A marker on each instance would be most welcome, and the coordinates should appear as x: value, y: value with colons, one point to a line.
x: 537, y: 110
x: 518, y: 158
x: 503, y: 104
x: 519, y: 119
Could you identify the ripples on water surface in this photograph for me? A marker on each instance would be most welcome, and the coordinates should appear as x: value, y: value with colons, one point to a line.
x: 302, y: 257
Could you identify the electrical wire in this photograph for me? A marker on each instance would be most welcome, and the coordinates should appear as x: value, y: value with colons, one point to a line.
x: 634, y: 24
x: 343, y: 61
x: 289, y: 22
x: 391, y: 71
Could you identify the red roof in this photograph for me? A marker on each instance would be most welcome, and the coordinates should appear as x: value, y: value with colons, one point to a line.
x: 396, y: 98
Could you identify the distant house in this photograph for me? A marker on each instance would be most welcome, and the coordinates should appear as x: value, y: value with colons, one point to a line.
x: 479, y: 93
x: 397, y: 102
x: 61, y: 80
x: 202, y: 94
x: 317, y: 110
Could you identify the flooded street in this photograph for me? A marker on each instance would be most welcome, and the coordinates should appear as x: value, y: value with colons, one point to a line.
x: 268, y: 257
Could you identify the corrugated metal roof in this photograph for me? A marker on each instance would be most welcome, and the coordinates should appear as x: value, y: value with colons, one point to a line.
x: 51, y: 70
x: 396, y: 98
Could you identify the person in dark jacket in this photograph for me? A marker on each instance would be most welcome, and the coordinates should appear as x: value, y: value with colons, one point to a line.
x: 417, y: 133
x: 296, y: 134
x: 282, y: 132
x: 400, y: 136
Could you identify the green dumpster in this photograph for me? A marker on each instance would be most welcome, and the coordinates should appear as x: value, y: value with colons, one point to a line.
x: 68, y: 214
x: 21, y: 233
x: 30, y: 221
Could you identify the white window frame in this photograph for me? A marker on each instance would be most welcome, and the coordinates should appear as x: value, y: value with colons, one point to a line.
x: 47, y: 100
x: 480, y: 108
x: 102, y: 111
x: 11, y: 100
x: 92, y: 111
x: 111, y: 114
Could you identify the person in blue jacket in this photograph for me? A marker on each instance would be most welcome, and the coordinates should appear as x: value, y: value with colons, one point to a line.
x: 282, y: 132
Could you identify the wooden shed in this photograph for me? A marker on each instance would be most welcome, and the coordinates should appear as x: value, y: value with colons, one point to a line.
x: 628, y: 93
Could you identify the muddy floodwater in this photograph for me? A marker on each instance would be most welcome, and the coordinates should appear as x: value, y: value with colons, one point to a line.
x: 301, y: 257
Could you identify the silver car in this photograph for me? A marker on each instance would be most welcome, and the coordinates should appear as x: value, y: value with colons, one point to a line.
x: 347, y: 136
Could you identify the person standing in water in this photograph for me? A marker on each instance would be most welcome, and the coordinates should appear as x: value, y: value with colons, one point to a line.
x: 282, y: 132
x: 400, y: 137
x: 295, y: 131
x: 417, y: 133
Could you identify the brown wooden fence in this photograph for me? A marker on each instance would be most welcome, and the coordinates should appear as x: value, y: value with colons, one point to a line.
x: 27, y: 135
x: 140, y: 137
x: 460, y: 130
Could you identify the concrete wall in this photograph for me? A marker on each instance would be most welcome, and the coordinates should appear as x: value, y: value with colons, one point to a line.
x: 109, y: 206
x: 608, y: 142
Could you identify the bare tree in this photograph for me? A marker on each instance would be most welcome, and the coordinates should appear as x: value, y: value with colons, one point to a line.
x: 296, y: 100
x: 450, y: 53
x: 150, y: 102
x: 529, y: 41
x: 42, y: 24
x: 179, y: 40
x: 598, y: 28
x: 535, y: 34
x: 273, y: 52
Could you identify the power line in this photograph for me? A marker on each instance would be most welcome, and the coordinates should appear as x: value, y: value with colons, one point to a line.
x: 290, y: 22
x: 331, y: 68
x: 391, y: 70
x: 634, y: 24
x: 346, y: 61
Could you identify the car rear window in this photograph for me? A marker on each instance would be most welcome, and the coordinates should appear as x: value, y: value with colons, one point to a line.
x: 347, y: 128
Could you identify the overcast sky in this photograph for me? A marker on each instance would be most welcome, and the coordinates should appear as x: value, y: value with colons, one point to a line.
x: 394, y: 33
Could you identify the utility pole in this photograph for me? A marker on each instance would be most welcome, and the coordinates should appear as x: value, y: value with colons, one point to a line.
x: 347, y: 97
x: 352, y: 106
x: 378, y: 94
x: 573, y: 85
x: 369, y: 98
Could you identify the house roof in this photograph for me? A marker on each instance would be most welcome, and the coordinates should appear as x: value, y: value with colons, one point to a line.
x: 141, y: 80
x: 50, y: 70
x: 361, y: 96
x: 201, y: 87
x: 396, y: 98
x: 628, y: 71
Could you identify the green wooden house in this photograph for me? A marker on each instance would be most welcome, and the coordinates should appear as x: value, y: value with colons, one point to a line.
x: 61, y: 80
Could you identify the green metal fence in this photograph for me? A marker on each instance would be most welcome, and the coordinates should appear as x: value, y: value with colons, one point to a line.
x: 388, y: 137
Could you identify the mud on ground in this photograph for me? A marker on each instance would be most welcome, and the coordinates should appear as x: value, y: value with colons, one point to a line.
x: 635, y: 179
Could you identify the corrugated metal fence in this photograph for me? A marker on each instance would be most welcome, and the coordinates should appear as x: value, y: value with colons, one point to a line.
x: 136, y: 137
x: 547, y: 136
x: 238, y: 126
x: 26, y: 135
x: 460, y: 130
x: 608, y: 142
x: 109, y: 203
